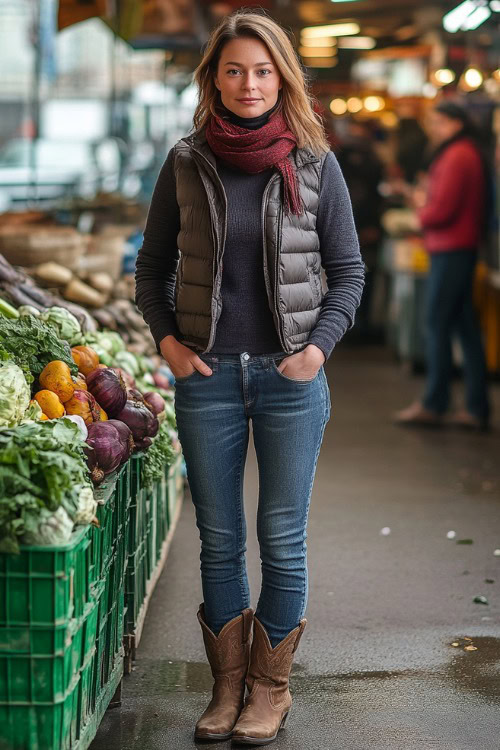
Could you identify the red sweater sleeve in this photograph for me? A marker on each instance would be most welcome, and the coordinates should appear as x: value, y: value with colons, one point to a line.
x: 446, y: 187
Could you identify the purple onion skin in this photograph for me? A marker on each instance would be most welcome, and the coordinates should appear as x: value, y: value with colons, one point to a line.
x: 108, y: 448
x: 155, y: 401
x: 134, y: 395
x: 125, y: 435
x: 143, y: 444
x: 127, y: 378
x: 140, y: 420
x: 108, y: 388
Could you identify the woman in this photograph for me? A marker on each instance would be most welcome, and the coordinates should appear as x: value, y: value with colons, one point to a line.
x: 245, y: 211
x: 453, y: 212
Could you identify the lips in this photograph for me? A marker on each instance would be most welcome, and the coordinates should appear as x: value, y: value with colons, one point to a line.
x: 249, y: 101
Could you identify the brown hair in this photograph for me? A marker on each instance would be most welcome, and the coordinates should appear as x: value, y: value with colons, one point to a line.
x: 296, y: 101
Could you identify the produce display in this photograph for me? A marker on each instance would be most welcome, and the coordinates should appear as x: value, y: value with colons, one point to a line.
x: 75, y: 403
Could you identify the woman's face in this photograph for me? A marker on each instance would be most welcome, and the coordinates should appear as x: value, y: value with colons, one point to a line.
x: 247, y: 77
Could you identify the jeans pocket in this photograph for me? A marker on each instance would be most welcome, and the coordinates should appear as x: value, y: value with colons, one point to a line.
x: 275, y: 364
x: 212, y: 362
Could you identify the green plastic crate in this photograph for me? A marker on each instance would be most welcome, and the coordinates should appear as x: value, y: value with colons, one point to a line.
x: 47, y: 726
x: 38, y: 664
x: 46, y: 586
x: 136, y: 583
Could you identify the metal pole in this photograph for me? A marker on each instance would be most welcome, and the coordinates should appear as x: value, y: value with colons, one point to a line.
x: 35, y: 97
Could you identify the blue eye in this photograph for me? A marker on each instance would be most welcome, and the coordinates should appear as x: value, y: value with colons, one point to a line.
x: 264, y: 70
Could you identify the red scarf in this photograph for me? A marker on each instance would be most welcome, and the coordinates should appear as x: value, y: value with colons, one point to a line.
x: 254, y: 151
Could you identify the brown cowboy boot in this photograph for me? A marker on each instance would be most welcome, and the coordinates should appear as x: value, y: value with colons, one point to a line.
x: 228, y: 655
x: 269, y: 700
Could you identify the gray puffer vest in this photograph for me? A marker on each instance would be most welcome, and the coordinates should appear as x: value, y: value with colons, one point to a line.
x: 291, y: 253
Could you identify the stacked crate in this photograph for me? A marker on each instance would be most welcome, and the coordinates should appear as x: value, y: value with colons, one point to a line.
x: 64, y: 610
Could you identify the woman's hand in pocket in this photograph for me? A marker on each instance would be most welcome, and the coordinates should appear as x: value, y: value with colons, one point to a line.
x: 303, y: 365
x: 181, y: 359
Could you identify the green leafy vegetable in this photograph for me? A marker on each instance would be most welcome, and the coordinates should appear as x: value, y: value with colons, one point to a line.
x: 66, y: 325
x: 160, y: 454
x: 42, y: 465
x: 14, y: 394
x: 32, y: 344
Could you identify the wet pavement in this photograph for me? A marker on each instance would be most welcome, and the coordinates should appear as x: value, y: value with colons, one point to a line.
x: 375, y: 669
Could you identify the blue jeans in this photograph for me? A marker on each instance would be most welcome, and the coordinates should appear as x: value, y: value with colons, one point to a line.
x: 288, y: 420
x: 450, y: 309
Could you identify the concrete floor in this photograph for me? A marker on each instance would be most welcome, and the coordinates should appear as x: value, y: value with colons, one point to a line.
x: 375, y: 669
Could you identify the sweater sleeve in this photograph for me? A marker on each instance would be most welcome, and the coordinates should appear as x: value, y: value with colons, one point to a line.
x: 157, y: 260
x: 340, y: 257
x: 446, y: 188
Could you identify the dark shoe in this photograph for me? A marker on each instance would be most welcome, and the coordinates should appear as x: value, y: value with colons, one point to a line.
x: 416, y: 415
x: 464, y: 420
x: 228, y: 655
x: 268, y: 703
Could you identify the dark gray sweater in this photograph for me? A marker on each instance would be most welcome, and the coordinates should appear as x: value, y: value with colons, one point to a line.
x: 246, y: 322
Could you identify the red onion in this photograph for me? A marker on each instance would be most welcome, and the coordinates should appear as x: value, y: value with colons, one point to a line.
x: 141, y: 421
x: 161, y: 381
x: 134, y: 395
x: 129, y: 380
x: 125, y: 436
x: 143, y: 444
x: 155, y: 401
x: 108, y: 450
x: 108, y: 388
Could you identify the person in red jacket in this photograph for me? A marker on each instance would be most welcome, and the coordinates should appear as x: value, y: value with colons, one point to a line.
x: 452, y: 213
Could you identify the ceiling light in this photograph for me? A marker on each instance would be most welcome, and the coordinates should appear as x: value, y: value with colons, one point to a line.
x: 357, y: 42
x: 338, y: 106
x: 320, y: 41
x: 466, y: 16
x: 373, y: 103
x: 354, y: 104
x: 334, y: 29
x: 495, y: 6
x: 443, y: 76
x: 475, y: 19
x: 317, y: 51
x: 471, y: 79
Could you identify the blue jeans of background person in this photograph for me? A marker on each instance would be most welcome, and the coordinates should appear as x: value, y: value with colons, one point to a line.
x: 450, y: 310
x: 288, y: 420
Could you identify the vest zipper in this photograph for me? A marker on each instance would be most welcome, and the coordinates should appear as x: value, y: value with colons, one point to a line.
x: 219, y: 254
x: 272, y: 298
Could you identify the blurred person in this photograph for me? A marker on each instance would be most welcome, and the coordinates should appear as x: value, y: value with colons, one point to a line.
x: 363, y: 173
x: 245, y: 212
x: 452, y: 209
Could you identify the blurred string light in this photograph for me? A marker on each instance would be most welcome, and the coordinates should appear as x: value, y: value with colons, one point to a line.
x: 466, y: 16
x: 373, y: 103
x: 354, y: 104
x: 429, y: 91
x: 357, y: 42
x: 317, y: 51
x: 338, y: 106
x: 442, y: 77
x: 334, y: 29
x: 471, y: 79
x: 495, y: 6
x: 320, y: 41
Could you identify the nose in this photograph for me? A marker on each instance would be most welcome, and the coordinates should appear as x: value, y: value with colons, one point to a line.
x: 249, y: 82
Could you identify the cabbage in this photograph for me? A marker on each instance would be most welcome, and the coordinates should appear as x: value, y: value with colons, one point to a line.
x: 87, y: 505
x: 128, y: 362
x: 14, y: 394
x: 33, y: 413
x: 47, y: 527
x: 67, y: 326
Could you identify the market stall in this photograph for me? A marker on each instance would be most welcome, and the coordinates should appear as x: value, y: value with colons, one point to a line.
x: 91, y: 481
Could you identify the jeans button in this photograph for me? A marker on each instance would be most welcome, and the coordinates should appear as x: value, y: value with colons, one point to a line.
x: 246, y: 356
